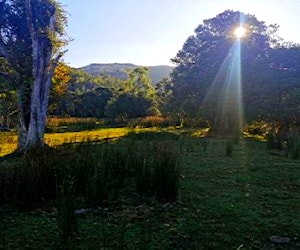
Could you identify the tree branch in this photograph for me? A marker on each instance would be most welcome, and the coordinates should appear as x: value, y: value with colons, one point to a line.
x: 29, y: 18
x: 56, y: 60
x: 3, y: 74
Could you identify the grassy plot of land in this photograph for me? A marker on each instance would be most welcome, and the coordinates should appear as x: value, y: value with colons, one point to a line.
x: 235, y: 202
x: 8, y: 140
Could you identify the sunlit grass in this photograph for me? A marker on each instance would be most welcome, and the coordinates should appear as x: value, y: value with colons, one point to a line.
x: 8, y: 140
x: 8, y: 143
x: 257, y: 137
x: 200, y: 133
x: 56, y: 139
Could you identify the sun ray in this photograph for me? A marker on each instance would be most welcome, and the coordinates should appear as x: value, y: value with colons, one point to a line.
x: 240, y: 32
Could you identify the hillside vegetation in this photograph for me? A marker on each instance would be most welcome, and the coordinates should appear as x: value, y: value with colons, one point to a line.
x: 156, y: 73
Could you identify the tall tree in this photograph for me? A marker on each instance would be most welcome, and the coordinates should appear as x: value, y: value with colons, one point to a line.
x: 31, y: 38
x: 136, y: 96
x: 209, y: 51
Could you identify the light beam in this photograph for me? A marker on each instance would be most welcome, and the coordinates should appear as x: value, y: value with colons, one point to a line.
x: 239, y: 32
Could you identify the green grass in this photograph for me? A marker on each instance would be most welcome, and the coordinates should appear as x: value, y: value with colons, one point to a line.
x: 235, y: 202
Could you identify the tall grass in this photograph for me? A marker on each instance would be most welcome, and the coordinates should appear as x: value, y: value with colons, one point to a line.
x: 139, y: 168
x: 71, y: 121
x: 65, y: 201
x: 290, y: 144
x: 100, y: 171
x: 293, y: 147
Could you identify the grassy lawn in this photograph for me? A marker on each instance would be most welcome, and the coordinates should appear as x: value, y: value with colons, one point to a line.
x: 235, y: 202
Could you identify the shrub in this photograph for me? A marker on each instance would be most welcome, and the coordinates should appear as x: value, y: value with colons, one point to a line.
x: 58, y: 124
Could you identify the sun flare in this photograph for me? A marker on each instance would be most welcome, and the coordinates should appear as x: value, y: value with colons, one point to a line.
x: 240, y: 32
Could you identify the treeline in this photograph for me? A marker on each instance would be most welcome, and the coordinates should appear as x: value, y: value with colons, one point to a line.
x: 225, y: 81
x: 75, y: 93
x: 104, y: 96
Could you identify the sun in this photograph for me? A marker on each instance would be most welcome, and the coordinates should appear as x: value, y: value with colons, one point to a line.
x: 239, y: 32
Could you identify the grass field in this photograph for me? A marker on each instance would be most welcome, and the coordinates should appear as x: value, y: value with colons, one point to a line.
x: 8, y: 140
x: 235, y: 202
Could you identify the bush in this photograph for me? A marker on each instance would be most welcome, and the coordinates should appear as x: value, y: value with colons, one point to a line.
x: 59, y: 124
x: 195, y: 123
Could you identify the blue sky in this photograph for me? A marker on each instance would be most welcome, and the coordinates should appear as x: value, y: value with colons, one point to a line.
x: 150, y: 32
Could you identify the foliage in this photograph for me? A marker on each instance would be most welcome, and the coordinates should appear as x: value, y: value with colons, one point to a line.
x: 269, y: 73
x: 8, y: 111
x: 60, y: 81
x: 204, y: 52
x: 118, y: 70
x: 135, y: 98
x: 104, y: 96
x: 129, y: 106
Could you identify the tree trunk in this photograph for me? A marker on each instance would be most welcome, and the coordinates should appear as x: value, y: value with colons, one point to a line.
x: 22, y: 125
x: 43, y: 69
x: 42, y: 76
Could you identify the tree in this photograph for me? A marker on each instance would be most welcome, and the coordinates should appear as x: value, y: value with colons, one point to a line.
x: 163, y: 92
x: 281, y: 103
x: 135, y: 97
x: 209, y: 51
x: 31, y: 38
x: 7, y: 99
x: 60, y: 80
x: 129, y: 106
x: 83, y: 95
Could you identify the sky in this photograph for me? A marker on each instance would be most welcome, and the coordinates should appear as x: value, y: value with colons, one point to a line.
x: 151, y: 32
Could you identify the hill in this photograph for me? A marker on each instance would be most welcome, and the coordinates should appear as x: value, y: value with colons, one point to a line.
x: 156, y: 73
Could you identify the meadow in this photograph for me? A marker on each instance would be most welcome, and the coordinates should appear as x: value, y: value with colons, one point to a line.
x: 225, y: 193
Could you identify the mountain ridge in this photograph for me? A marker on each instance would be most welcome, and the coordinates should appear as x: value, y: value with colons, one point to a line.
x: 156, y: 72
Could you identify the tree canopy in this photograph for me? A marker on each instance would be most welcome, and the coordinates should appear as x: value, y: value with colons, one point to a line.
x: 268, y: 68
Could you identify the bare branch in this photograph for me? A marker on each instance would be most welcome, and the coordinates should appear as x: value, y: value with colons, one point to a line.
x: 56, y: 60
